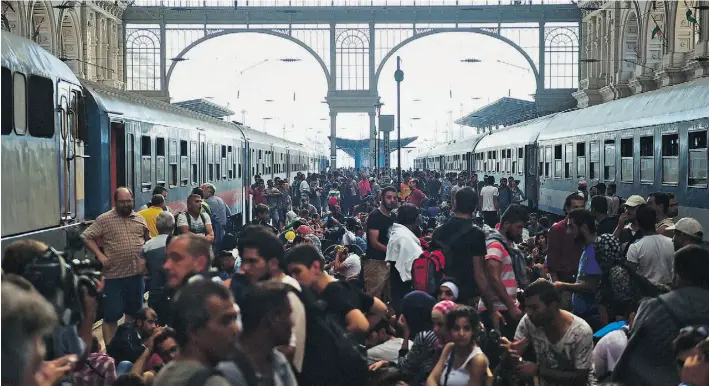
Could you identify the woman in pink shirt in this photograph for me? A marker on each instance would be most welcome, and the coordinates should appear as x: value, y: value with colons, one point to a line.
x: 364, y: 187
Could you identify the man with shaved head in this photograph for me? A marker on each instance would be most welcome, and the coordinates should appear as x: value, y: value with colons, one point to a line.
x: 122, y: 233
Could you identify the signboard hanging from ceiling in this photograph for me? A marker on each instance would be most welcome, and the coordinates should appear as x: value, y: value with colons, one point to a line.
x: 386, y: 123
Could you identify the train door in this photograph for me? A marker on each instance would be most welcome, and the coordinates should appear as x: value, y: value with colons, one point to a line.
x: 122, y: 155
x: 71, y: 150
x: 202, y: 178
x: 531, y: 175
x: 470, y: 163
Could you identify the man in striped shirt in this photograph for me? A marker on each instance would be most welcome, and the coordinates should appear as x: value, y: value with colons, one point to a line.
x: 498, y: 306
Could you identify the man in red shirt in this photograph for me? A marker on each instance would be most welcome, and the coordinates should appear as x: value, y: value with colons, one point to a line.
x: 364, y: 187
x: 563, y: 254
x: 417, y: 197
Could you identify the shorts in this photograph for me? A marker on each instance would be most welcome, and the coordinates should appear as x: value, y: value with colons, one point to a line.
x: 122, y: 296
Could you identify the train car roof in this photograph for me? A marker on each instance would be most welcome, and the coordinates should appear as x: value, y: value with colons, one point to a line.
x: 126, y: 104
x: 524, y: 133
x: 28, y: 57
x: 682, y: 102
x: 455, y: 147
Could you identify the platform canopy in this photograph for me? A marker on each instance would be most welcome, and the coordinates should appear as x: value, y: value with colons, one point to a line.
x: 502, y: 112
x: 359, y: 148
x: 205, y: 107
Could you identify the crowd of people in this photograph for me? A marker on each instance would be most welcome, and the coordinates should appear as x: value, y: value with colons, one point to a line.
x: 323, y: 287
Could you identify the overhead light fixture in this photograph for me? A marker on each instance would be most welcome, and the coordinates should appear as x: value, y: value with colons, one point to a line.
x: 289, y: 60
x: 415, y: 119
x: 470, y: 60
x: 268, y: 100
x: 266, y: 118
x: 475, y: 98
x: 417, y: 100
x: 179, y: 59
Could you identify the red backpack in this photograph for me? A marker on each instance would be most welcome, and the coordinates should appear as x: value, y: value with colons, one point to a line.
x: 428, y: 270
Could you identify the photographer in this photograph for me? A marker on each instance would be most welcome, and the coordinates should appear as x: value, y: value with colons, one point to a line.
x: 18, y: 259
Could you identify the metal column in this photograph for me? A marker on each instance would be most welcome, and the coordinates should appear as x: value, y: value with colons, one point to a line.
x: 333, y: 144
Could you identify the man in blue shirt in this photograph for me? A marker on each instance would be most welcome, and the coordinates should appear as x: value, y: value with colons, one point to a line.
x: 582, y: 225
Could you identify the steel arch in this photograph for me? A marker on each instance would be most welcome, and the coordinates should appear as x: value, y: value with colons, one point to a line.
x: 380, y: 67
x: 242, y: 30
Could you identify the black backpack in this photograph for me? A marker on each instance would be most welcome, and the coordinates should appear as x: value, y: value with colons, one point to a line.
x: 332, y: 356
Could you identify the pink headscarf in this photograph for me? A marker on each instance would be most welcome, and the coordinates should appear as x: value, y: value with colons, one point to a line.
x: 444, y: 306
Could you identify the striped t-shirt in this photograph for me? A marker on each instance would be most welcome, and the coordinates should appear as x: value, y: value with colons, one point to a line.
x: 496, y: 251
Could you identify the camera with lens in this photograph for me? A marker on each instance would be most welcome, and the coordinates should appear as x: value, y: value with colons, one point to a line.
x: 62, y: 282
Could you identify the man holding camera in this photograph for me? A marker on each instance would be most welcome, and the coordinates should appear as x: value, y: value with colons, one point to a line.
x: 123, y: 233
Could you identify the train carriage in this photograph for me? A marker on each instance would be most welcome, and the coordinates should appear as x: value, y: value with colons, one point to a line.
x: 129, y: 140
x: 651, y: 142
x: 43, y: 137
x: 512, y: 152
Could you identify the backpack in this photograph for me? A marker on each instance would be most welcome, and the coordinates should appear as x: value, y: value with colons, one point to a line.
x: 189, y: 221
x: 428, y: 270
x: 332, y: 357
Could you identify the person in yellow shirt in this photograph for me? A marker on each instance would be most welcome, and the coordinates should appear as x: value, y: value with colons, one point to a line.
x: 157, y: 206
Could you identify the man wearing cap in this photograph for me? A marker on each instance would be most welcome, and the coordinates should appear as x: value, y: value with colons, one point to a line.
x: 627, y: 230
x: 687, y: 231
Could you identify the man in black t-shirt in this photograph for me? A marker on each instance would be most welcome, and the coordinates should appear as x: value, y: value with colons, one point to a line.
x: 355, y: 310
x: 465, y: 257
x: 376, y: 272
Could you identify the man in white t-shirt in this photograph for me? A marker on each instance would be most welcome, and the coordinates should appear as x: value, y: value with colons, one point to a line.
x: 347, y: 264
x: 198, y: 222
x: 652, y: 255
x: 562, y: 342
x: 488, y: 202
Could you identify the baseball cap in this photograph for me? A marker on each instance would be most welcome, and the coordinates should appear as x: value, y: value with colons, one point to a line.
x: 688, y: 226
x: 634, y: 200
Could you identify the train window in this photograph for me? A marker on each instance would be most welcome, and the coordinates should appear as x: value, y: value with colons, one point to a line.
x: 230, y: 162
x: 146, y: 160
x: 547, y: 162
x: 568, y: 161
x: 238, y: 157
x: 697, y: 172
x: 224, y: 170
x: 160, y: 161
x: 609, y: 160
x: 670, y: 159
x: 40, y: 95
x: 6, y: 101
x: 540, y: 159
x: 558, y: 161
x: 184, y: 164
x: 520, y: 160
x: 595, y: 153
x: 217, y: 162
x: 193, y: 162
x: 647, y: 159
x: 130, y: 161
x: 210, y: 163
x: 626, y: 160
x: 172, y: 161
x: 19, y: 89
x: 581, y: 160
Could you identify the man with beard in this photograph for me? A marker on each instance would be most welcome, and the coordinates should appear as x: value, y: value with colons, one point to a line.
x: 376, y: 272
x: 582, y: 226
x: 499, y: 307
x: 123, y: 233
x: 262, y: 260
x: 562, y: 342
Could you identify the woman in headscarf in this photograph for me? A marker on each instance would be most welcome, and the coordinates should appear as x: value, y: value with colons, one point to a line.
x: 415, y: 320
x: 438, y: 316
x: 448, y: 290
